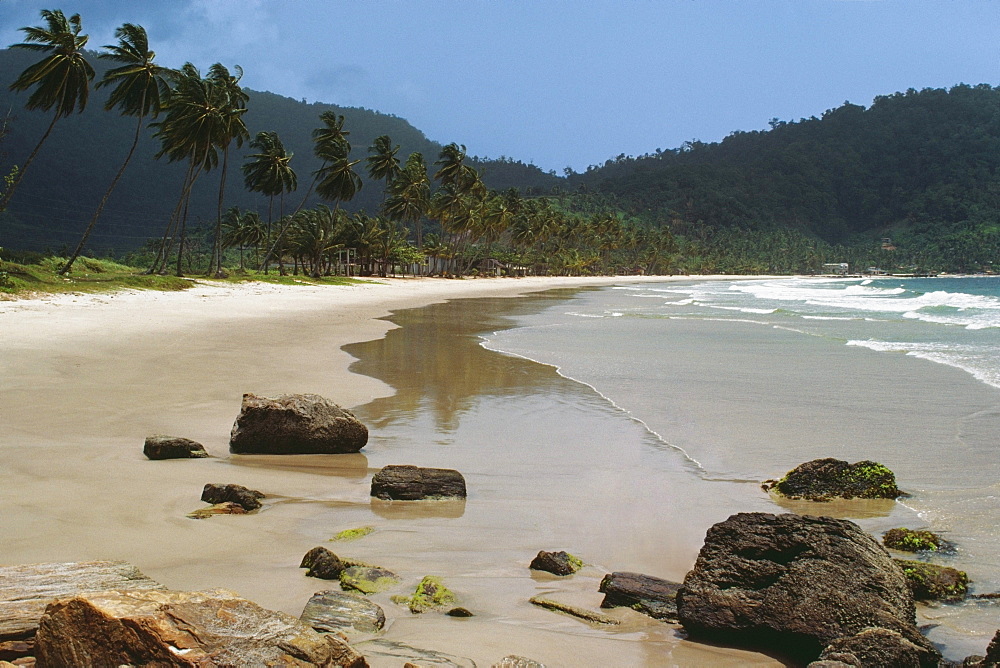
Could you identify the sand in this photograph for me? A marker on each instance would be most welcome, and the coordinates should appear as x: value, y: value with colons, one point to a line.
x: 84, y: 379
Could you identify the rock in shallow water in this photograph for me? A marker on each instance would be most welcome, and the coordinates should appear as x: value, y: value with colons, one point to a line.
x: 644, y: 593
x: 248, y: 499
x: 825, y: 479
x: 295, y: 424
x: 413, y: 483
x: 557, y: 563
x: 342, y: 611
x: 172, y: 447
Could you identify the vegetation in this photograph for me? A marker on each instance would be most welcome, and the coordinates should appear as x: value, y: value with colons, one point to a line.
x: 353, y: 534
x: 909, y: 540
x: 430, y: 593
x: 825, y: 479
x: 929, y: 582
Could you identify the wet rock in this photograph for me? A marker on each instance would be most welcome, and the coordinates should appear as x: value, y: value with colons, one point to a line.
x: 249, y: 499
x: 12, y: 650
x: 348, y: 535
x: 825, y: 479
x: 171, y: 628
x: 909, y: 540
x: 342, y: 611
x: 880, y: 647
x: 227, y: 508
x: 323, y: 564
x: 644, y: 593
x: 514, y: 661
x: 430, y: 593
x: 930, y: 582
x: 793, y: 584
x: 403, y: 654
x: 460, y: 612
x: 368, y: 579
x: 172, y: 447
x: 295, y: 424
x: 413, y: 483
x: 557, y: 563
x: 581, y: 613
x: 26, y: 590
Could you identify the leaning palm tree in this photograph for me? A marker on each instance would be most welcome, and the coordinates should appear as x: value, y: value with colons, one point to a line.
x: 268, y: 171
x: 232, y: 128
x: 409, y: 200
x: 383, y: 165
x: 140, y: 90
x: 61, y: 80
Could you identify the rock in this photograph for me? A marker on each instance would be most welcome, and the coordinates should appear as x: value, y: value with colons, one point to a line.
x: 172, y: 447
x: 172, y: 628
x: 514, y: 661
x: 992, y: 653
x: 650, y: 596
x: 581, y: 613
x: 326, y: 566
x: 929, y: 582
x: 353, y: 534
x: 342, y: 611
x: 295, y: 424
x: 825, y: 479
x: 11, y: 650
x: 793, y: 584
x: 430, y: 593
x: 26, y: 590
x: 368, y: 579
x: 402, y: 654
x: 412, y: 483
x: 908, y: 540
x: 557, y: 563
x: 249, y: 499
x: 227, y: 508
x: 880, y: 647
x: 460, y: 612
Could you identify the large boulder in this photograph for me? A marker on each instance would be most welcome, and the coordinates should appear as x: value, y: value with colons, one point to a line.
x: 293, y: 424
x: 336, y: 611
x: 794, y: 584
x: 644, y: 593
x: 248, y: 499
x: 413, y: 483
x: 171, y: 628
x: 172, y: 447
x: 825, y: 479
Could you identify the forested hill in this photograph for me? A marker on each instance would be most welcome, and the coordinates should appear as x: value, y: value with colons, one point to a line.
x: 74, y: 167
x: 921, y: 166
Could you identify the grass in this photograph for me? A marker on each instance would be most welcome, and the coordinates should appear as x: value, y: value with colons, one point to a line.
x: 36, y: 275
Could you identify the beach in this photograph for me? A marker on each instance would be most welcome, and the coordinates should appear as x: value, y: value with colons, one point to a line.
x: 551, y: 462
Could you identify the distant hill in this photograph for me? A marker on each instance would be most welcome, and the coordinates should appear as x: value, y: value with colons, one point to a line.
x: 75, y: 166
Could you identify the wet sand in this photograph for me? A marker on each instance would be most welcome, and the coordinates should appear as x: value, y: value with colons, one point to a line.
x: 84, y: 380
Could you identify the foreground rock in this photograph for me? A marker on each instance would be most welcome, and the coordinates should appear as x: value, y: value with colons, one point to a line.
x: 930, y: 582
x: 825, y: 479
x: 557, y: 563
x: 26, y: 590
x: 172, y: 447
x: 227, y: 508
x: 794, y: 584
x: 644, y: 593
x: 878, y: 647
x: 248, y: 499
x: 171, y: 628
x: 909, y: 540
x: 413, y: 483
x: 342, y: 611
x: 294, y: 424
x: 430, y: 594
x: 515, y: 661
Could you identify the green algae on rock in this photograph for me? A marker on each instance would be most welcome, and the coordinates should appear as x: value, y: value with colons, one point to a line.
x: 353, y: 534
x: 825, y: 479
x: 430, y: 593
x: 910, y: 540
x: 930, y: 582
x: 368, y: 579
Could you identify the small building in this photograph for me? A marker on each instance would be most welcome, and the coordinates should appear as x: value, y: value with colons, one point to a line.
x: 836, y: 268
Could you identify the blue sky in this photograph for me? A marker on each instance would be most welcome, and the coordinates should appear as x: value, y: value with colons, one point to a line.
x: 566, y: 83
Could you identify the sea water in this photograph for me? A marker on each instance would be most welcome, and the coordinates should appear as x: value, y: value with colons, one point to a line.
x: 745, y: 379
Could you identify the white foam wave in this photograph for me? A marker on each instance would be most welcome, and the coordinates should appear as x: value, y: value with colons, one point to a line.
x: 978, y: 362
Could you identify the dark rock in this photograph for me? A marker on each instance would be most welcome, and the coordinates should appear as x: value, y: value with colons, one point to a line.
x: 557, y: 563
x: 225, y: 508
x: 326, y: 566
x: 412, y: 483
x: 171, y: 628
x: 880, y: 647
x: 368, y: 579
x: 172, y: 447
x: 295, y: 424
x: 310, y: 557
x: 793, y: 584
x: 825, y: 479
x: 249, y: 499
x: 11, y: 650
x: 460, y: 612
x: 26, y: 590
x: 992, y: 652
x: 909, y: 540
x: 651, y: 596
x: 930, y: 582
x: 342, y: 611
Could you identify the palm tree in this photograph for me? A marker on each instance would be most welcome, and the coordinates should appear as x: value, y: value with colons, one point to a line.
x: 268, y: 171
x: 141, y: 90
x: 61, y: 80
x: 410, y: 196
x: 233, y: 129
x: 337, y: 181
x: 382, y: 163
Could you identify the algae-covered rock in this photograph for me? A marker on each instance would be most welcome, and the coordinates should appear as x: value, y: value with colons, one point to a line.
x: 368, y: 579
x: 227, y: 508
x: 909, y: 540
x: 353, y: 534
x: 581, y: 613
x: 557, y: 563
x: 219, y: 493
x: 930, y: 582
x: 172, y: 447
x: 430, y: 593
x: 825, y: 479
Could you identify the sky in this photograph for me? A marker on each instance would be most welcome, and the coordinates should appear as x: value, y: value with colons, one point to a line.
x: 565, y: 83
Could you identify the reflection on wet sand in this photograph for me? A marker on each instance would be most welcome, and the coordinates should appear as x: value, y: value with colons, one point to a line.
x: 354, y: 465
x: 843, y: 509
x: 412, y: 510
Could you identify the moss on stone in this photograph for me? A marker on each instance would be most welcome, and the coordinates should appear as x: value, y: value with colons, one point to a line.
x: 353, y: 534
x: 825, y: 479
x: 909, y: 540
x: 368, y: 580
x: 430, y: 593
x: 930, y: 582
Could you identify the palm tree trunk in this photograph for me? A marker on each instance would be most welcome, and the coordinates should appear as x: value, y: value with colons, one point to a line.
x: 20, y: 172
x: 216, y: 262
x: 160, y: 262
x: 107, y: 194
